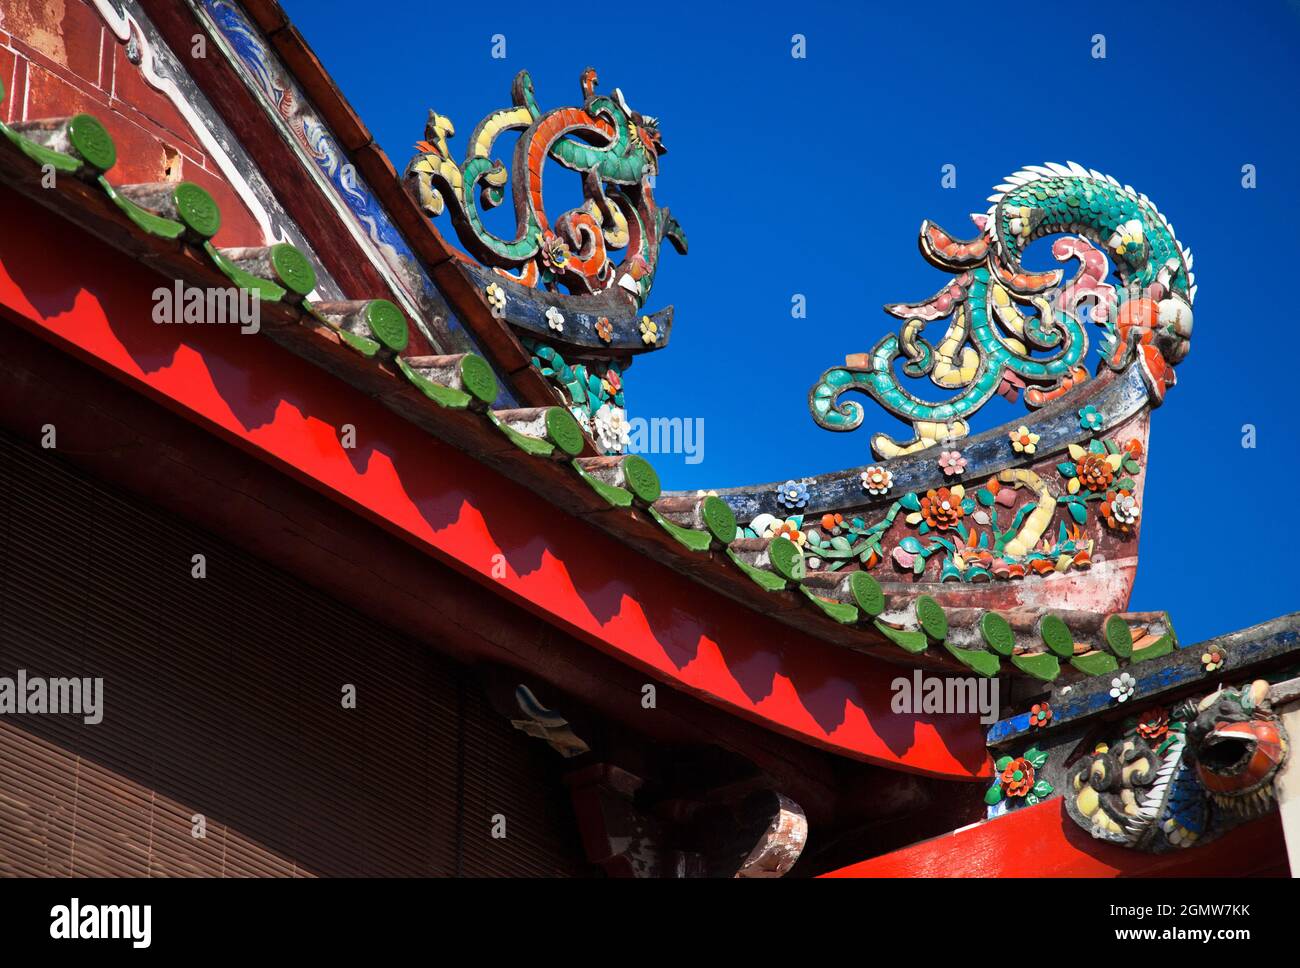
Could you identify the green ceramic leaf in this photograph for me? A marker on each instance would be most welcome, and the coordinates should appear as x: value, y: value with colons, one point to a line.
x: 1096, y: 664
x: 764, y: 579
x: 686, y: 537
x: 985, y: 664
x: 841, y: 612
x: 1155, y: 650
x: 1042, y: 665
x: 616, y: 496
x: 439, y: 394
x: 912, y: 642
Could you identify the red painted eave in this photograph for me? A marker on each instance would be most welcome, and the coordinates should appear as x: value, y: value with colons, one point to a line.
x: 1041, y: 841
x: 97, y: 304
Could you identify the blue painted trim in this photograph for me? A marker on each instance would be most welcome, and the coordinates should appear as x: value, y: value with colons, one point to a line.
x: 1080, y: 699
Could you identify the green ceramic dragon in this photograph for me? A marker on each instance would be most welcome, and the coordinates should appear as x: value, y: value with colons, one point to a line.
x: 1001, y: 314
x: 615, y: 149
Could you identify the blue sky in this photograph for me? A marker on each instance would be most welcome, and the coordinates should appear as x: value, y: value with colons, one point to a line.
x: 812, y: 176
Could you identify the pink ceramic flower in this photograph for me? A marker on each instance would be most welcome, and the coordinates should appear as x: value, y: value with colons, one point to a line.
x: 952, y: 462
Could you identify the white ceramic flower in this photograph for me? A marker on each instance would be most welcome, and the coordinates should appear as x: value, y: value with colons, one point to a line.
x: 1124, y: 508
x: 555, y: 319
x: 1122, y: 687
x: 496, y: 297
x: 612, y: 429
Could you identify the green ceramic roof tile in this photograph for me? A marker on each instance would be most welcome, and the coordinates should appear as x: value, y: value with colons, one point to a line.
x: 686, y: 537
x: 764, y: 579
x: 913, y: 642
x: 983, y: 663
x: 839, y: 611
x: 441, y: 395
x: 1095, y: 664
x: 1042, y: 665
x: 616, y: 496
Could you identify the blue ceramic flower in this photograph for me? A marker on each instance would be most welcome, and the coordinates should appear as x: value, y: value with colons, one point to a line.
x: 792, y: 495
x: 1090, y: 418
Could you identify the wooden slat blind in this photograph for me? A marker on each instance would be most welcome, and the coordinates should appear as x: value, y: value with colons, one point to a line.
x: 222, y: 698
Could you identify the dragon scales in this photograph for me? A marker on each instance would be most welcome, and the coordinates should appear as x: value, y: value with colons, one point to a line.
x: 1001, y: 315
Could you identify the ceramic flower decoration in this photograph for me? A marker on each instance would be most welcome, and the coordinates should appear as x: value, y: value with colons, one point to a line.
x: 612, y: 430
x: 1022, y: 441
x: 1212, y: 660
x: 787, y: 529
x: 1154, y: 724
x: 555, y: 319
x: 1122, y: 687
x: 941, y: 509
x: 604, y: 329
x: 1040, y: 714
x: 877, y: 481
x: 792, y: 495
x: 1120, y: 511
x: 554, y: 252
x: 1090, y: 418
x: 496, y: 297
x: 649, y: 330
x: 952, y: 463
x: 1017, y: 779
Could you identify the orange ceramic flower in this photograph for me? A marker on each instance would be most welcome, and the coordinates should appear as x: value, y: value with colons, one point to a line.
x: 604, y: 329
x: 831, y: 521
x: 1018, y: 777
x: 941, y: 509
x: 1095, y: 472
x: 1133, y: 448
x: 1154, y: 724
x: 787, y: 529
x: 1039, y: 714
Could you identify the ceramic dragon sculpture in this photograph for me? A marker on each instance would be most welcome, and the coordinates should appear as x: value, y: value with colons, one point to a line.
x: 614, y: 148
x: 1180, y: 778
x: 1001, y: 315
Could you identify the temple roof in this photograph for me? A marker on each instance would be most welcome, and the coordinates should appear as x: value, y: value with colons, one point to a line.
x: 910, y: 561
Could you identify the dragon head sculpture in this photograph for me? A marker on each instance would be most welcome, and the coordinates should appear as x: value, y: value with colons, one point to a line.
x: 1237, y: 746
x: 1178, y: 778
